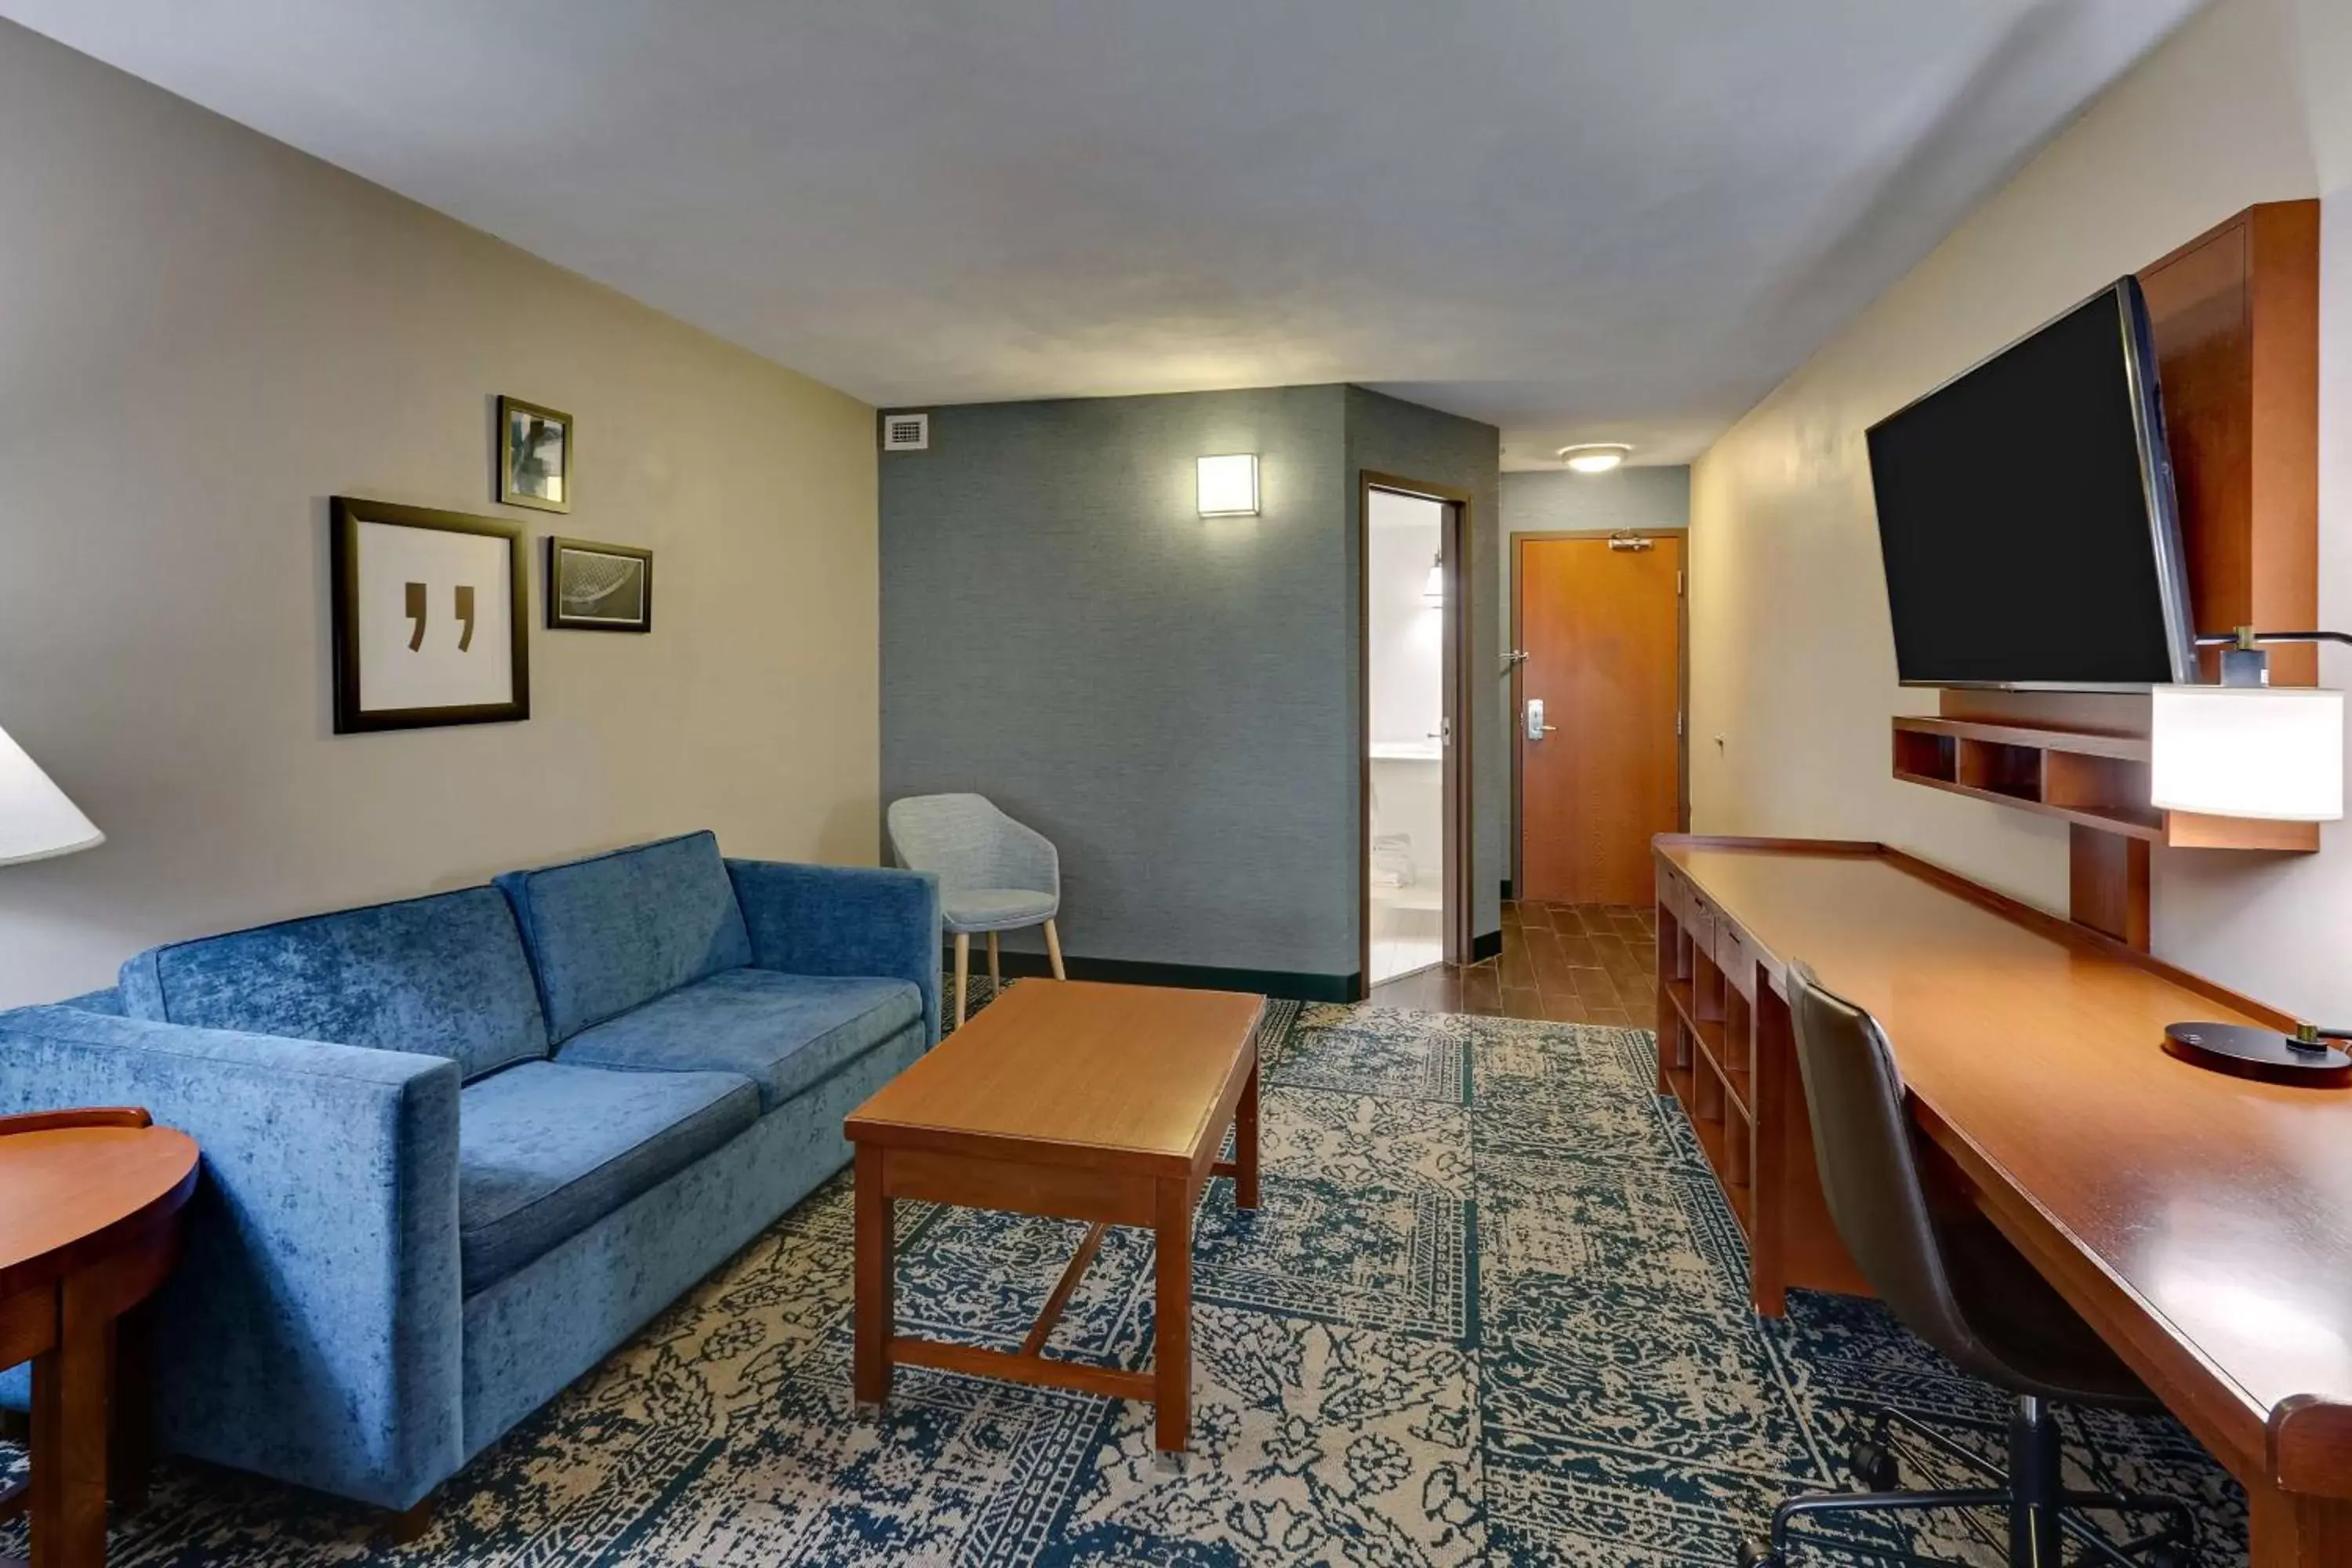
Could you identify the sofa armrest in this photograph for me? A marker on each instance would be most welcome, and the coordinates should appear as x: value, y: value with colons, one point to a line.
x: 844, y: 919
x: 311, y: 1331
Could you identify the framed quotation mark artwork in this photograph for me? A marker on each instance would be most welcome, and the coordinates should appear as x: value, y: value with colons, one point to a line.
x: 428, y: 610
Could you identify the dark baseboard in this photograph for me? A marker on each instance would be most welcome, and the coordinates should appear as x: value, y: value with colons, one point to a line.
x: 1507, y: 889
x: 1483, y: 948
x: 1288, y: 984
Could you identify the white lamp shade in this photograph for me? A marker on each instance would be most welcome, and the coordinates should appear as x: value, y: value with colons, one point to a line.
x: 1228, y: 485
x: 2269, y: 751
x: 36, y: 820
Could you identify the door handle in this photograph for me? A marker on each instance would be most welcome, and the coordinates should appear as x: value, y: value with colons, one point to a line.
x: 1537, y: 728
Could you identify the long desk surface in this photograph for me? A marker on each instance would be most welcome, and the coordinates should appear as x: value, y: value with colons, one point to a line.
x: 2203, y: 1223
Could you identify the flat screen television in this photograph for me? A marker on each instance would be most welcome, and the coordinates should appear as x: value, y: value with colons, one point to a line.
x: 2026, y: 515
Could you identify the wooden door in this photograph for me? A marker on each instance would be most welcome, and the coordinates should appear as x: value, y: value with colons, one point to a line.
x: 1603, y: 629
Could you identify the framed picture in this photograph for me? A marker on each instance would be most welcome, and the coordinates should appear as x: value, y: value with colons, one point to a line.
x: 534, y: 456
x: 428, y: 611
x: 599, y: 587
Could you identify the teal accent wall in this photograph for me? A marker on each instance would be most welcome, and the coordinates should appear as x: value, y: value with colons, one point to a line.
x: 1172, y: 699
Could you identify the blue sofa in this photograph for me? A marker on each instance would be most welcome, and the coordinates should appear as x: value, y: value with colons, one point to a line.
x: 458, y: 1149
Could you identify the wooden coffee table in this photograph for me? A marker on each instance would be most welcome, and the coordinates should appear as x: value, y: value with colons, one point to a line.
x: 1073, y: 1101
x: 90, y: 1225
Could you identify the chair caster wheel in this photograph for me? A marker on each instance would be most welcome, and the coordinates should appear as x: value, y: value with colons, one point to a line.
x: 2167, y: 1556
x: 1757, y: 1554
x: 1874, y: 1465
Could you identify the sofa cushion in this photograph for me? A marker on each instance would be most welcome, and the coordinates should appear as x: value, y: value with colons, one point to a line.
x: 546, y: 1148
x: 443, y: 975
x: 613, y: 932
x: 784, y: 1032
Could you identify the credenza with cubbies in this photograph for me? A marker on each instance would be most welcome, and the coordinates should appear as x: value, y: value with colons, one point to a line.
x: 2201, y: 1223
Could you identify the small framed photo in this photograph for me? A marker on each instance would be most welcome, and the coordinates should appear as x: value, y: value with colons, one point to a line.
x: 428, y: 617
x: 596, y: 587
x: 534, y: 456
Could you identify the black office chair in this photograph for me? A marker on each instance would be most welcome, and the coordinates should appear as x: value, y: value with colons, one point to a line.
x: 1957, y: 1283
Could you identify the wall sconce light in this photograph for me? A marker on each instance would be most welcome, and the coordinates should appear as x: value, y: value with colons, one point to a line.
x: 1433, y: 591
x: 1228, y: 485
x: 1595, y: 457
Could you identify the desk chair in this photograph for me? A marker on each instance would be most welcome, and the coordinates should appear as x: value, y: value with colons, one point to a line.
x: 1955, y: 1282
x: 994, y: 874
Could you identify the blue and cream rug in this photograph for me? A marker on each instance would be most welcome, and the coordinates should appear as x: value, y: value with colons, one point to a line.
x: 1493, y: 1310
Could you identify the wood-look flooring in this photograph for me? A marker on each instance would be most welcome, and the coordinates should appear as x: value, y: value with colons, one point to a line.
x: 1571, y: 963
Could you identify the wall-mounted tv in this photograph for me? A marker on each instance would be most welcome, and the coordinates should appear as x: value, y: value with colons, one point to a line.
x: 2026, y: 515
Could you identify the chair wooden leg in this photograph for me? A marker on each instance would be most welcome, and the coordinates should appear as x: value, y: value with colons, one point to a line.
x: 963, y: 968
x: 1054, y: 950
x: 995, y: 974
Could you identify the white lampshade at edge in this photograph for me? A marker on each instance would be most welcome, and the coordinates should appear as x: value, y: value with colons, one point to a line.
x: 2272, y: 752
x: 36, y: 820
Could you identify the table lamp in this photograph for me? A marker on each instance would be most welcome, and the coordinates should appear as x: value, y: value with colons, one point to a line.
x: 36, y: 820
x: 2246, y: 748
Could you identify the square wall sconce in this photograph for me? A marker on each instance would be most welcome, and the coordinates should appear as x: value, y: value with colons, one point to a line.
x: 1228, y: 485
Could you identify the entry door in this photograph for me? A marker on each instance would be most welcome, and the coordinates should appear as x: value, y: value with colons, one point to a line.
x: 1599, y: 712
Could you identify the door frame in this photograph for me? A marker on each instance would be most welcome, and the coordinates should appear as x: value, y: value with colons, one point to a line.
x: 1518, y: 672
x: 1457, y: 530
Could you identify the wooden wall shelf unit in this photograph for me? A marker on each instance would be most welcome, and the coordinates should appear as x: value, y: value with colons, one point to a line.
x: 2234, y: 314
x: 2195, y: 1221
x: 2093, y: 781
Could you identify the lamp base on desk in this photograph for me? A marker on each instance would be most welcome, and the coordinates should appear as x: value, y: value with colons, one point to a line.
x: 2243, y: 1051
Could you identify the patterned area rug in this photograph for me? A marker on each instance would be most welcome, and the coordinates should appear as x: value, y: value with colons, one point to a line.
x: 1493, y: 1310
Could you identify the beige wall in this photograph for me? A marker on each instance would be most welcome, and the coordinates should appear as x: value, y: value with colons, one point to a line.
x: 1794, y: 664
x: 203, y: 335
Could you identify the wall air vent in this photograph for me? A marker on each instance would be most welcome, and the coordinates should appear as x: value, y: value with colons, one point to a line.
x: 905, y: 432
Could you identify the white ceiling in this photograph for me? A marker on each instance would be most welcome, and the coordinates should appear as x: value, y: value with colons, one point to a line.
x: 1577, y: 219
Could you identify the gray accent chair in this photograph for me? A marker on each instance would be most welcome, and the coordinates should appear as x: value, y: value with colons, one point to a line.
x: 994, y: 874
x: 1955, y: 1282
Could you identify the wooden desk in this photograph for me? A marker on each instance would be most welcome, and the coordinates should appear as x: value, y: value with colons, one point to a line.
x: 89, y: 1228
x: 1104, y: 1103
x: 2201, y: 1223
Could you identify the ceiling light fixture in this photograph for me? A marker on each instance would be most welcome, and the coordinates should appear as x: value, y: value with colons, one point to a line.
x: 1595, y: 457
x: 1433, y: 591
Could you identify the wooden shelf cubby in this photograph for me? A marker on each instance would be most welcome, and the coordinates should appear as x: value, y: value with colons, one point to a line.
x: 1706, y: 1050
x: 2091, y: 779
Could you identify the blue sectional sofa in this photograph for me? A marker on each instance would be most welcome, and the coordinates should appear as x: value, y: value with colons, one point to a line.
x: 458, y: 1149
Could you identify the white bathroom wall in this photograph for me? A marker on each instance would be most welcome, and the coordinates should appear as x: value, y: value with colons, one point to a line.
x: 1403, y: 632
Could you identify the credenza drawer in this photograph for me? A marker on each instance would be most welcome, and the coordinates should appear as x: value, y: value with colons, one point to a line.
x: 1673, y: 891
x: 1736, y: 956
x: 1698, y: 920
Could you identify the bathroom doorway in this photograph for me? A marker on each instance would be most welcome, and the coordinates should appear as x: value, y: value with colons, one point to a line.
x: 1416, y: 843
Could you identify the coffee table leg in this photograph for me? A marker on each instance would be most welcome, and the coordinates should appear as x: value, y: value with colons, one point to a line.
x: 1246, y: 1145
x: 875, y: 1313
x: 1172, y: 1316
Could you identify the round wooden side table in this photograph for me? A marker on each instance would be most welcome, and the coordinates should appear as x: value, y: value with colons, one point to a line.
x: 90, y: 1227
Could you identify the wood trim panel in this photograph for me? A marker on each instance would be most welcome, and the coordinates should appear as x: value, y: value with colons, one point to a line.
x: 1458, y: 534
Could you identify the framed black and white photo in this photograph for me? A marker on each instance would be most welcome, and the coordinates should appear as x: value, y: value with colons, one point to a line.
x: 534, y: 456
x: 599, y: 587
x: 428, y: 613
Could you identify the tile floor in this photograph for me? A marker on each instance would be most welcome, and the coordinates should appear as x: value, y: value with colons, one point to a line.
x: 1570, y: 964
